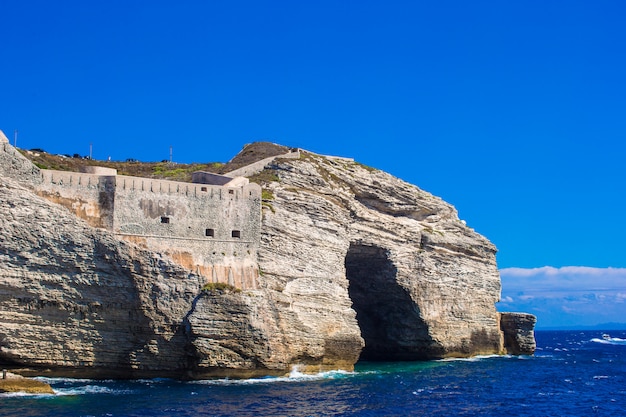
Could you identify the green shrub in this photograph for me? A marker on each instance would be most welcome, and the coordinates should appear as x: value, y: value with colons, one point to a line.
x: 269, y: 206
x: 264, y: 177
x: 365, y: 167
x: 267, y: 194
x: 215, y: 287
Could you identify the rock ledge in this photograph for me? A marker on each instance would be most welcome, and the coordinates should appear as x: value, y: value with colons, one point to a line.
x: 17, y: 383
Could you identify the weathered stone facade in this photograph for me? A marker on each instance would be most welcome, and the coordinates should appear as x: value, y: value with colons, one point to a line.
x: 210, y: 229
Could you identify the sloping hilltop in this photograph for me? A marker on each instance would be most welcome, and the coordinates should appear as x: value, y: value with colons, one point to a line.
x: 347, y: 263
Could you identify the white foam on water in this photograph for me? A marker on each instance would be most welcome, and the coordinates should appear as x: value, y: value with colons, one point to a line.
x: 81, y: 386
x: 609, y: 341
x: 475, y: 358
x: 59, y: 380
x: 90, y: 389
x: 25, y: 394
x: 294, y: 376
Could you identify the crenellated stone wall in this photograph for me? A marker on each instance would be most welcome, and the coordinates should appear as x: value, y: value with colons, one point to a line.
x: 210, y: 229
x: 87, y: 196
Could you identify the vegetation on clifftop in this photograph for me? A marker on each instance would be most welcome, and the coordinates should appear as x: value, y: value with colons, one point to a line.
x: 131, y: 167
x: 162, y: 170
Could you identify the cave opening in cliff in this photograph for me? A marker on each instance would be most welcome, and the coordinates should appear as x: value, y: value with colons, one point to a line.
x: 388, y: 317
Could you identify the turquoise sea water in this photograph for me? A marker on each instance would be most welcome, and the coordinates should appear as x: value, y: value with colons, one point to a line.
x: 572, y: 374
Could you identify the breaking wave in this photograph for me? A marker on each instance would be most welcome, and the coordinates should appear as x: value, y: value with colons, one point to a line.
x: 607, y: 340
x: 476, y: 358
x: 294, y: 376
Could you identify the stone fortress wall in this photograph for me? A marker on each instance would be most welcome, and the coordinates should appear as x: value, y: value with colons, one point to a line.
x: 210, y: 226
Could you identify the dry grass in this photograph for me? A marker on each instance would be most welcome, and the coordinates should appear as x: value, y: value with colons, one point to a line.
x: 162, y: 170
x: 252, y: 153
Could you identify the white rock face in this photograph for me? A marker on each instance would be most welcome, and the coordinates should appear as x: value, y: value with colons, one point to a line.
x: 353, y: 263
x: 77, y: 299
x: 338, y: 234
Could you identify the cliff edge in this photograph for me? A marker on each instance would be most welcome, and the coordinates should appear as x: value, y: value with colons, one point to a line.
x: 353, y: 264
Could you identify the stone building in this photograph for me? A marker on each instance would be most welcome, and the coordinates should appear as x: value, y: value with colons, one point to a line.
x: 210, y: 226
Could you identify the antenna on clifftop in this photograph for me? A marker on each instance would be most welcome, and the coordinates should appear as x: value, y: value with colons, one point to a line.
x: 170, y: 154
x: 15, y: 139
x: 90, y: 149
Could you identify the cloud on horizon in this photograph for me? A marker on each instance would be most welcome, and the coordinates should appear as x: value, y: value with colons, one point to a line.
x: 566, y: 296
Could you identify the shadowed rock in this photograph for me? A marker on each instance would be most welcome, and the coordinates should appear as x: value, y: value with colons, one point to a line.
x: 518, y: 329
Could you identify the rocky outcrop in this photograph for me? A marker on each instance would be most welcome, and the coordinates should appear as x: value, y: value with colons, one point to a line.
x: 14, y: 165
x: 353, y: 263
x: 17, y: 383
x: 519, y: 335
x: 338, y: 234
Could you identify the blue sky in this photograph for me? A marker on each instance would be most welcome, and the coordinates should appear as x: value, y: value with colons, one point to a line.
x: 512, y: 111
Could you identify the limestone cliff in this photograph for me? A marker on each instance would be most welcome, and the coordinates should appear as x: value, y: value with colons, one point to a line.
x: 336, y: 233
x: 353, y: 263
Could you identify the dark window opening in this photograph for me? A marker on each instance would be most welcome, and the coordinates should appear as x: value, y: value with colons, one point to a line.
x: 231, y: 191
x: 203, y: 188
x: 209, y: 232
x: 165, y: 219
x: 236, y: 233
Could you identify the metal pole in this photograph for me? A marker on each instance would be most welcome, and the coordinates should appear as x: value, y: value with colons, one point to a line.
x: 15, y: 139
x: 90, y: 149
x: 170, y: 154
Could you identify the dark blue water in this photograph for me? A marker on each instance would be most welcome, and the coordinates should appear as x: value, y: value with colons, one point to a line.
x: 572, y: 374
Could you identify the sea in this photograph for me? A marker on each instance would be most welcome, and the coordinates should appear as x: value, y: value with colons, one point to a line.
x: 573, y: 373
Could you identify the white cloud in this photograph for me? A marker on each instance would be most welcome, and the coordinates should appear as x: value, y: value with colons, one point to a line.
x: 567, y: 278
x: 564, y: 271
x: 567, y: 295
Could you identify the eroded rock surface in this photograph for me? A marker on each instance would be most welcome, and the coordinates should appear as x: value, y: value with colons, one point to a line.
x: 519, y: 335
x: 336, y: 233
x: 352, y: 261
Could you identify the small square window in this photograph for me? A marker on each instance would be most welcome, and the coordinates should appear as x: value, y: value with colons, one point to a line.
x: 203, y: 188
x: 165, y: 220
x: 209, y: 232
x: 236, y: 234
x: 231, y: 191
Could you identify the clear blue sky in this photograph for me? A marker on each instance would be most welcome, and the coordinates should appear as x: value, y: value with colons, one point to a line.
x: 515, y: 112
